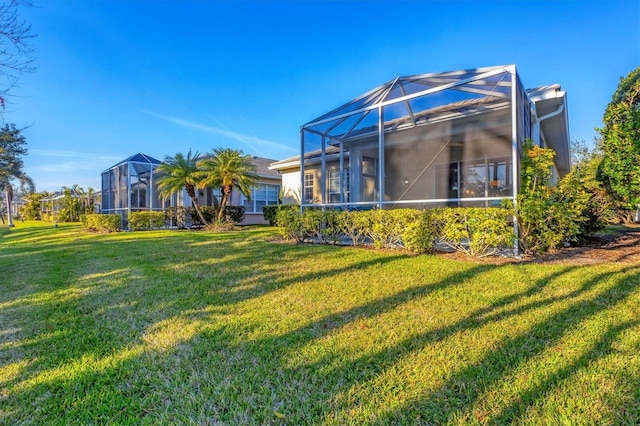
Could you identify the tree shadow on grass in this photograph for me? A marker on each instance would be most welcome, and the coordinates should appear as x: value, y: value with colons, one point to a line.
x: 452, y: 399
x: 221, y: 374
x: 88, y: 311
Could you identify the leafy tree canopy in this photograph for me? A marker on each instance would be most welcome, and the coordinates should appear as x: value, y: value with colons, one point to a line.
x: 620, y: 144
x: 228, y: 168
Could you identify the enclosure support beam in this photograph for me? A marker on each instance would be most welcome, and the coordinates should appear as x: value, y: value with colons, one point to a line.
x: 342, y: 179
x: 514, y: 154
x: 380, y: 156
x: 302, y: 200
x: 323, y: 172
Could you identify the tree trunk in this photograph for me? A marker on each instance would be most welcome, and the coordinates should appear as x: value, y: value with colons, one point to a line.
x: 226, y: 190
x: 9, y: 196
x: 192, y: 194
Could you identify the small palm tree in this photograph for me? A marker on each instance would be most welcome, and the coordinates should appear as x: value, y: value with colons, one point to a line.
x: 227, y: 168
x: 181, y: 172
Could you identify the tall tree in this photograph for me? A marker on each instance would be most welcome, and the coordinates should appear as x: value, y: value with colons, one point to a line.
x: 620, y: 144
x: 16, y: 52
x: 12, y: 149
x: 228, y: 168
x: 180, y: 172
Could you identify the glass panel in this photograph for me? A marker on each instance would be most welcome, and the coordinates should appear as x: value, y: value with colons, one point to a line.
x: 308, y: 187
x: 312, y: 167
x: 500, y: 178
x: 473, y: 179
x: 106, y: 190
x: 273, y: 191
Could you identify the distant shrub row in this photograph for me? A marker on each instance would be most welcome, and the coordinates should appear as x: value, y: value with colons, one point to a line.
x: 476, y: 231
x: 101, y: 222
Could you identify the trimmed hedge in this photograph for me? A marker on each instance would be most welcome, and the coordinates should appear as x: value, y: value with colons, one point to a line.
x: 270, y: 212
x: 101, y: 222
x: 145, y: 220
x: 475, y: 231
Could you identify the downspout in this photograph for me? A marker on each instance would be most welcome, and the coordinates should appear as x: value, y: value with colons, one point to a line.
x: 552, y: 114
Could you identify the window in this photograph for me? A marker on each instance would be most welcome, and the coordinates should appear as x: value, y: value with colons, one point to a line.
x: 308, y: 186
x: 491, y: 178
x: 261, y: 195
x: 334, y: 185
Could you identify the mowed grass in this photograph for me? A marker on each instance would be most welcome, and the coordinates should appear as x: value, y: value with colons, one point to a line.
x: 177, y: 327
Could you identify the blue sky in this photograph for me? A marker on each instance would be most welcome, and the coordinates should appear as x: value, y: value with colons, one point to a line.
x: 119, y: 77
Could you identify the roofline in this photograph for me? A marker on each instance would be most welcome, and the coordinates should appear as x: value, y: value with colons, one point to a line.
x: 484, y: 73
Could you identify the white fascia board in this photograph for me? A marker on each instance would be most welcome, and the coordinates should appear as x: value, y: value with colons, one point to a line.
x: 548, y: 94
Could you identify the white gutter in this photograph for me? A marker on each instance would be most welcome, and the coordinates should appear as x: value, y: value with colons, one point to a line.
x: 552, y: 114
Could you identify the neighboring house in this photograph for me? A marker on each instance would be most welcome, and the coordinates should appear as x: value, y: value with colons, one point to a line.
x: 132, y: 185
x: 17, y: 205
x: 52, y: 204
x: 440, y: 139
x: 265, y: 192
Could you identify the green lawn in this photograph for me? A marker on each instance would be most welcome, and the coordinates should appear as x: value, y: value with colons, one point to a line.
x: 178, y: 327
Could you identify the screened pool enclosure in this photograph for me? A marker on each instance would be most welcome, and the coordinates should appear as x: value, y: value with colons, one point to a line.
x: 131, y: 186
x: 440, y: 139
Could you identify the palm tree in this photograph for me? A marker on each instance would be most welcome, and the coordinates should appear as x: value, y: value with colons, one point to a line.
x: 26, y: 183
x: 181, y: 172
x: 228, y: 168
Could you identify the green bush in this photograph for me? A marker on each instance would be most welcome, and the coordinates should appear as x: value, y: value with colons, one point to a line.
x: 546, y: 223
x: 420, y: 235
x: 475, y: 231
x: 270, y: 212
x: 322, y: 225
x: 354, y: 225
x: 290, y: 223
x: 550, y: 217
x: 233, y: 214
x: 101, y: 222
x: 388, y: 226
x: 179, y: 216
x: 144, y: 220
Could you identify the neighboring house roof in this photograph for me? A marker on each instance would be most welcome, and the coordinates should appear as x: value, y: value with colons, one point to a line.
x: 262, y: 168
x: 295, y: 160
x: 261, y: 164
x: 137, y: 158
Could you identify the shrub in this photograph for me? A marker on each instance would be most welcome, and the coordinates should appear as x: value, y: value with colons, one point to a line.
x: 322, y: 224
x: 388, y: 226
x: 176, y: 216
x: 179, y: 216
x: 290, y: 222
x: 549, y: 217
x: 475, y: 231
x: 545, y: 223
x: 101, y: 222
x: 354, y: 224
x: 270, y: 212
x: 139, y: 221
x: 234, y: 214
x: 420, y: 235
